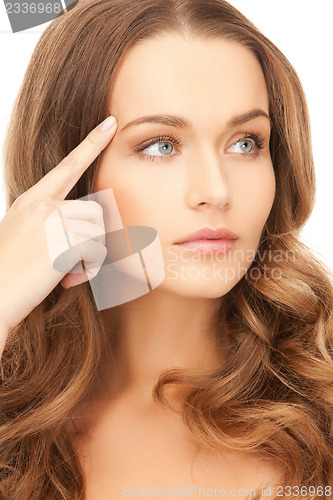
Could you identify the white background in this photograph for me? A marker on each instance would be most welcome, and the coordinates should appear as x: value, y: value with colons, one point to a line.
x: 302, y: 29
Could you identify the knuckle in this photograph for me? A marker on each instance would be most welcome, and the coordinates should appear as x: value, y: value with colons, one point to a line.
x: 96, y: 207
x: 102, y: 238
x: 97, y: 232
x: 69, y: 161
x: 104, y: 252
x: 101, y: 254
x: 41, y: 207
x: 93, y: 138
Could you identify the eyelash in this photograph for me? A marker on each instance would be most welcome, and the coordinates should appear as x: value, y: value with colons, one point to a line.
x: 256, y: 136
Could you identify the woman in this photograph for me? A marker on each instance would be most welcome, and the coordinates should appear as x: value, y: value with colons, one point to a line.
x: 221, y: 377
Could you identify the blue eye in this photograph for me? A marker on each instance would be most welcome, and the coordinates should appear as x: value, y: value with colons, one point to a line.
x: 165, y: 148
x: 256, y: 144
x: 163, y: 144
x: 246, y: 143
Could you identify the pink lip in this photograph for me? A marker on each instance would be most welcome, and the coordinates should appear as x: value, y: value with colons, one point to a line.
x: 208, y: 246
x: 209, y: 233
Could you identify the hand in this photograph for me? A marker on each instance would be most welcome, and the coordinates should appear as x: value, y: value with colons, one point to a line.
x: 27, y: 275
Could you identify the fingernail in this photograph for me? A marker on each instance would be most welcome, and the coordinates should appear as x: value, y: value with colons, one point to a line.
x: 107, y: 123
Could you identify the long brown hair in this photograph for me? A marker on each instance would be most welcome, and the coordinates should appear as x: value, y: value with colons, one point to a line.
x: 274, y: 394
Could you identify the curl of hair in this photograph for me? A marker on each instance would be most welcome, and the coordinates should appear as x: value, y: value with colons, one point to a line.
x: 274, y: 393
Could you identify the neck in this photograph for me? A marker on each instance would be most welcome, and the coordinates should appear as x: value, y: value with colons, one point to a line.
x: 161, y: 331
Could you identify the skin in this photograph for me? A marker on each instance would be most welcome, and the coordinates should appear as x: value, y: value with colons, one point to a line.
x: 205, y: 181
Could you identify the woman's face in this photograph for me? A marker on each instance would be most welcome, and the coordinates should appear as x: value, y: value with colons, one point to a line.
x: 207, y: 172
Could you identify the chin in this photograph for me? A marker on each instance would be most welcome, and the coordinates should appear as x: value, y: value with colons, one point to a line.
x: 200, y: 288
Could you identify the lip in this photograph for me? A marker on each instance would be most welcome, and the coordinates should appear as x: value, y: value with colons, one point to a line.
x: 208, y: 246
x: 209, y: 234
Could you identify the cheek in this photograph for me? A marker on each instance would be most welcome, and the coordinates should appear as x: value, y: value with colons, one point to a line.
x: 255, y: 199
x: 137, y: 202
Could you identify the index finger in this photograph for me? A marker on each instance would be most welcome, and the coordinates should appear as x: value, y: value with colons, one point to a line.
x: 57, y: 183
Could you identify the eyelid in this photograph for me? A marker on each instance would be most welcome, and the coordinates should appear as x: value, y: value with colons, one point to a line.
x: 155, y: 140
x: 258, y: 140
x: 161, y: 138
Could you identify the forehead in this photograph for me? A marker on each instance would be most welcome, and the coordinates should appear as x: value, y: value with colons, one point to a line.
x: 192, y: 76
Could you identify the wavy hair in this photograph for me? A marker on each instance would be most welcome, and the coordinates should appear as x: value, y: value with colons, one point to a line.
x: 274, y: 394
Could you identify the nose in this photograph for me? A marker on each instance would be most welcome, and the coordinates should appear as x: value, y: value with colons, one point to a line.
x: 207, y: 182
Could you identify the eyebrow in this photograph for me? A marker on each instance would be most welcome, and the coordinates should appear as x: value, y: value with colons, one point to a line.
x: 181, y: 122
